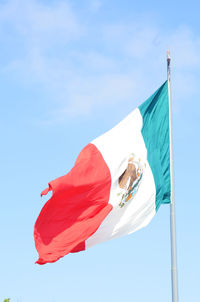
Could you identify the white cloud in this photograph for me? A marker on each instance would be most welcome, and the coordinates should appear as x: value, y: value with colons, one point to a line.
x: 84, y: 69
x: 95, y: 5
x: 100, y: 91
x: 39, y: 24
x: 146, y: 46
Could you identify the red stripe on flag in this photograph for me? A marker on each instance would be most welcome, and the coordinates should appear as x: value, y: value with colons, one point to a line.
x: 78, y: 205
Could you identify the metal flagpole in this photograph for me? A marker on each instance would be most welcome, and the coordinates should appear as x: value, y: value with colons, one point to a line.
x: 174, y: 278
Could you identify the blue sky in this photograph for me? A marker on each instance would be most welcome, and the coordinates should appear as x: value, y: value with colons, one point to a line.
x: 71, y: 70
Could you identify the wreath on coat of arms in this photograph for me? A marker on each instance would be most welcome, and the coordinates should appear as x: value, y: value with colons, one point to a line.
x: 130, y: 180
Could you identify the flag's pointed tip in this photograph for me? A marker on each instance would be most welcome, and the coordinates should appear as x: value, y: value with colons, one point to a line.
x: 44, y: 192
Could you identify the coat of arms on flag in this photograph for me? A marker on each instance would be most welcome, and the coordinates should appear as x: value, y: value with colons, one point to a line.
x: 130, y: 180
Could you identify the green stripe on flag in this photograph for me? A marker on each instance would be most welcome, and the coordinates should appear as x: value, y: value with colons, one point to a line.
x: 155, y: 131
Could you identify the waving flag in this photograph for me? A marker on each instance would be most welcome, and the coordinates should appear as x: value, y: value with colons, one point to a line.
x: 116, y: 186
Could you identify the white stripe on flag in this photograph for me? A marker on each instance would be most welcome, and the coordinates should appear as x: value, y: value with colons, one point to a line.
x: 117, y: 146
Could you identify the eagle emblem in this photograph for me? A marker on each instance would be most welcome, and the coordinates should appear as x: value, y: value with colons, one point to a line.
x: 130, y: 180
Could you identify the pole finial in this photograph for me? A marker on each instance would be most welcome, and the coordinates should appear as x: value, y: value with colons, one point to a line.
x: 168, y: 64
x: 168, y: 55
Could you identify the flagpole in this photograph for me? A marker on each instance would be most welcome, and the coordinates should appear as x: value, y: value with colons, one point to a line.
x: 174, y: 278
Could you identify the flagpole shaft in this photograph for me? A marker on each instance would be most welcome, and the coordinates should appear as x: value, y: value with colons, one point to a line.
x: 174, y: 278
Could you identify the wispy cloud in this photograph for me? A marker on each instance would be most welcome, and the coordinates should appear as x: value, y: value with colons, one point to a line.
x: 38, y: 21
x: 84, y: 69
x: 146, y: 46
x: 95, y: 5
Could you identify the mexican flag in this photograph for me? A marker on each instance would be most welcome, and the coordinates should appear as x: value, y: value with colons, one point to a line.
x: 115, y: 187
